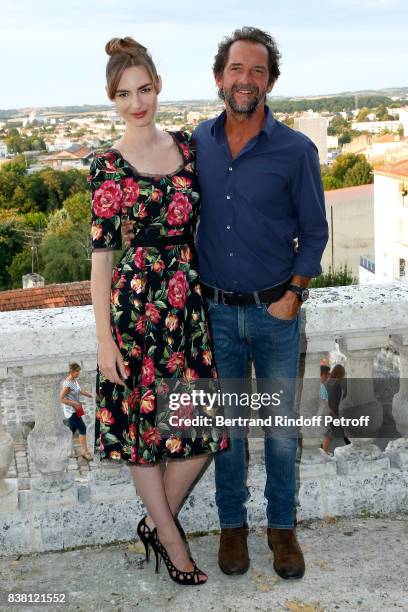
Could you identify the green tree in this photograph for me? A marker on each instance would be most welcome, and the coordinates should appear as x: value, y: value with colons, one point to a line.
x: 345, y: 137
x: 329, y: 182
x: 22, y: 264
x: 337, y: 126
x: 363, y: 113
x: 78, y: 208
x: 360, y: 174
x: 347, y: 170
x: 14, y: 141
x: 11, y: 175
x: 382, y: 113
x: 11, y: 243
x: 59, y: 223
x: 344, y: 163
x: 36, y: 220
x: 65, y: 259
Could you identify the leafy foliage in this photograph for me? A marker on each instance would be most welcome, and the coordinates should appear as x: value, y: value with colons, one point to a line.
x: 17, y: 143
x: 348, y: 170
x: 11, y: 242
x: 334, y: 278
x: 332, y: 104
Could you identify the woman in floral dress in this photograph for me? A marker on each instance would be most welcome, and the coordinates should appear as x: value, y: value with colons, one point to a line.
x: 151, y: 325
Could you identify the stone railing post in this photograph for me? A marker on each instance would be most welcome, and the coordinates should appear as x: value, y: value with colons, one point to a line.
x: 8, y: 486
x: 398, y: 449
x: 88, y: 379
x: 49, y: 444
x: 360, y: 401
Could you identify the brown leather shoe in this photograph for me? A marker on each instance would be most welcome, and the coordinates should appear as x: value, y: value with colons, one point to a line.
x: 233, y: 553
x: 288, y: 557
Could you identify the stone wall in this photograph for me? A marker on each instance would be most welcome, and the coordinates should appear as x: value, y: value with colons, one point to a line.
x: 55, y: 509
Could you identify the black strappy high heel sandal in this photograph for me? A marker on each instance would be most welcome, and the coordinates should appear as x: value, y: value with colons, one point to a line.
x: 180, y: 577
x: 145, y: 534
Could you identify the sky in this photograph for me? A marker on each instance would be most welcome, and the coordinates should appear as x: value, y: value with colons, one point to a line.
x: 52, y: 51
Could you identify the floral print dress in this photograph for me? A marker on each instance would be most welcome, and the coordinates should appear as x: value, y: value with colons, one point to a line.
x: 158, y: 319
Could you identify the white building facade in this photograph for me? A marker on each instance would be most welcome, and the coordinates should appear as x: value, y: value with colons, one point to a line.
x: 315, y: 127
x: 376, y: 127
x: 390, y: 226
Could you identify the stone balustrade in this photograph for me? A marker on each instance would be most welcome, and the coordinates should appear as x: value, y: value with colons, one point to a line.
x: 363, y: 327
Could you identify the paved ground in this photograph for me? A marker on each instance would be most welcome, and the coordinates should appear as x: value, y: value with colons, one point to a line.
x: 357, y: 564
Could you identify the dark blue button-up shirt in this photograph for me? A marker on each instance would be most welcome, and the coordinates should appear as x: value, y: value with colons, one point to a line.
x: 253, y: 207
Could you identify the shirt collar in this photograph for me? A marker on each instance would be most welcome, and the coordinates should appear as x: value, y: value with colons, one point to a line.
x: 217, y: 129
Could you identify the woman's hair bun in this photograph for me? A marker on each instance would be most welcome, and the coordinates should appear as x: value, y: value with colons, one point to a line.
x: 123, y: 45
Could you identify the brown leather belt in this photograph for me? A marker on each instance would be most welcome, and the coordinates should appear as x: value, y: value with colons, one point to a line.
x: 230, y: 298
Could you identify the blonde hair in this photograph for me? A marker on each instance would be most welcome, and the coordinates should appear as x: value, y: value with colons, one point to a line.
x: 74, y: 367
x: 124, y: 53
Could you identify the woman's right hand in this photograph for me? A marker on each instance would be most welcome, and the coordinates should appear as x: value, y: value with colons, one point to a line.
x: 110, y: 360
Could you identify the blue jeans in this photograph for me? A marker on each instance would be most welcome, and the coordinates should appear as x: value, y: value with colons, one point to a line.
x: 241, y: 333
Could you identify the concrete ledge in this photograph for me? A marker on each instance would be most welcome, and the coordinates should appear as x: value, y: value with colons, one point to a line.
x: 102, y: 521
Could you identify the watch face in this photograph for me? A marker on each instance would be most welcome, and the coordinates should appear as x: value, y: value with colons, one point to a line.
x: 304, y: 295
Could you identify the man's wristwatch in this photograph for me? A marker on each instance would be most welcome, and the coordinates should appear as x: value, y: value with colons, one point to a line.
x: 301, y: 292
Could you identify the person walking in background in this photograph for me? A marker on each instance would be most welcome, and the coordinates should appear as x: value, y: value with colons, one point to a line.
x: 323, y: 394
x: 73, y: 409
x: 336, y: 391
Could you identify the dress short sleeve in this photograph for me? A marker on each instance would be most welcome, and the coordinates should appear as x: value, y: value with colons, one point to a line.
x: 106, y: 202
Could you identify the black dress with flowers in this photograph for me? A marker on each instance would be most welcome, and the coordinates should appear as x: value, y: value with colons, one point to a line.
x: 158, y: 319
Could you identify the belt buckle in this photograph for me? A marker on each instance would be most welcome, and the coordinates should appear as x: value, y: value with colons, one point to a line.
x: 227, y: 293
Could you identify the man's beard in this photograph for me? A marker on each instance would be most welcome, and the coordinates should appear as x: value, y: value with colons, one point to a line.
x: 247, y: 108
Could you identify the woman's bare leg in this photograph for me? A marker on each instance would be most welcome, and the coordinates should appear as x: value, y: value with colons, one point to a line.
x: 83, y: 444
x: 178, y: 477
x: 326, y: 443
x: 149, y: 484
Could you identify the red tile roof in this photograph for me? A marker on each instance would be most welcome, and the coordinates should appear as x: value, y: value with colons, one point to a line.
x: 399, y: 169
x: 49, y: 296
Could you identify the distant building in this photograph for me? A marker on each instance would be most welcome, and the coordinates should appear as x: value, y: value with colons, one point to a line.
x: 350, y: 215
x: 3, y: 149
x: 390, y: 227
x: 193, y: 117
x: 403, y: 117
x: 375, y: 127
x: 77, y: 156
x: 58, y: 144
x: 315, y: 127
x: 383, y: 148
x: 332, y: 142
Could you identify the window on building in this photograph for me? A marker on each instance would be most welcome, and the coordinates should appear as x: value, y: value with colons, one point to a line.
x: 402, y: 268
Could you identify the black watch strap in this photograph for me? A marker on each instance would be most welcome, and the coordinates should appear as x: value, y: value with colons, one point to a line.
x: 301, y: 292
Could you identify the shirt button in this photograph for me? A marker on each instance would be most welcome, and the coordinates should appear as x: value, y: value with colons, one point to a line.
x: 228, y: 227
x: 228, y: 197
x: 230, y: 168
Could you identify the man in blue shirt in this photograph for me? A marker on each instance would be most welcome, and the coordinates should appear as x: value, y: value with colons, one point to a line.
x: 261, y: 236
